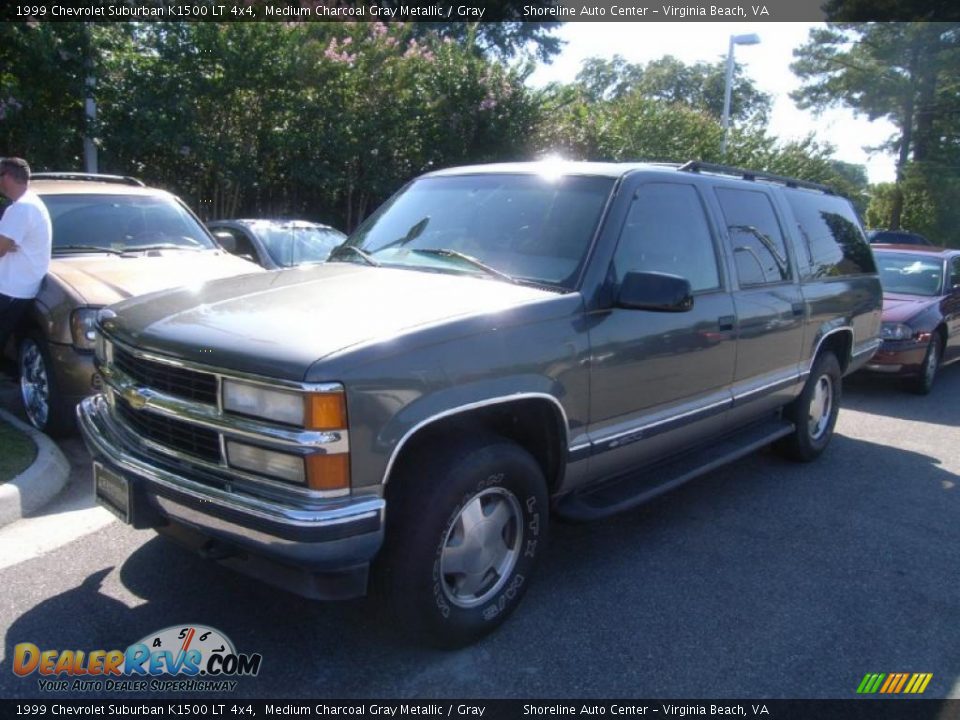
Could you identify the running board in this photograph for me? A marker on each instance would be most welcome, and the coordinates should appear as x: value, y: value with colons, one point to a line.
x: 632, y: 489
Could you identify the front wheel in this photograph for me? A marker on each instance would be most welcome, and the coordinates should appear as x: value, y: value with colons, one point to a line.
x: 814, y: 413
x: 923, y: 383
x: 464, y: 532
x: 41, y: 399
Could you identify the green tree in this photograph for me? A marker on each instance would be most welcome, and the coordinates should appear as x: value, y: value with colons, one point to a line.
x: 43, y: 71
x: 320, y: 120
x: 635, y: 127
x: 700, y: 85
x: 504, y: 40
x: 905, y: 72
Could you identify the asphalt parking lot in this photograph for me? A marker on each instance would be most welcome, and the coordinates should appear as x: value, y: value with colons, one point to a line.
x: 765, y: 579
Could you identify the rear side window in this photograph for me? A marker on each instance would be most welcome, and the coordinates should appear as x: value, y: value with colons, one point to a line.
x: 759, y: 249
x: 835, y: 243
x: 667, y: 232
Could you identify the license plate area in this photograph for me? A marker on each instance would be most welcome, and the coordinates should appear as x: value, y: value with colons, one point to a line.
x: 112, y: 491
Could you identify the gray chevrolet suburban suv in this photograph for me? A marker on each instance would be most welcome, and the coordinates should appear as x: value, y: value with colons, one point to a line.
x: 497, y: 346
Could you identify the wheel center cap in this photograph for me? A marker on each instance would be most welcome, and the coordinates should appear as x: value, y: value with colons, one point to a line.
x: 478, y: 550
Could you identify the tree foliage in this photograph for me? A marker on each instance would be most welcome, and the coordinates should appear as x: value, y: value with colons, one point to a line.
x: 618, y: 112
x: 320, y: 120
x: 504, y: 40
x: 326, y: 120
x: 700, y: 85
x: 41, y: 110
x: 908, y: 73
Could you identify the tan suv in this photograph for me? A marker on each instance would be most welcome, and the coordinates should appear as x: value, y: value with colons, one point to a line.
x: 113, y: 238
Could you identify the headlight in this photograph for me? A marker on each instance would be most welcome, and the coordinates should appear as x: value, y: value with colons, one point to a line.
x: 313, y: 411
x: 83, y: 328
x: 266, y: 462
x: 317, y: 472
x: 896, y: 331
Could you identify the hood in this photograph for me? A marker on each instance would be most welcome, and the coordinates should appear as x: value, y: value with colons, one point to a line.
x: 278, y: 324
x: 898, y: 307
x: 107, y: 279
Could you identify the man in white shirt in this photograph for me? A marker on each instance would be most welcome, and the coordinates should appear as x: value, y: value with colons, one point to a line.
x: 25, y: 240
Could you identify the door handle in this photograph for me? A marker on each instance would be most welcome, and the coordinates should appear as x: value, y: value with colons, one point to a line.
x: 798, y: 309
x: 726, y: 322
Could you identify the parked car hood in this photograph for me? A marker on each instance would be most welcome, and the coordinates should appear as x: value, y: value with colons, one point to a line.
x: 279, y: 323
x: 107, y: 279
x: 898, y: 307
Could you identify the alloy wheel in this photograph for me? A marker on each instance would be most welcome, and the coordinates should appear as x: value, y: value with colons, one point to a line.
x: 34, y: 384
x: 821, y: 406
x: 481, y: 548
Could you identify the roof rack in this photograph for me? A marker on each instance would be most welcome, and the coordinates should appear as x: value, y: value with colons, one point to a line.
x: 696, y: 166
x: 119, y: 179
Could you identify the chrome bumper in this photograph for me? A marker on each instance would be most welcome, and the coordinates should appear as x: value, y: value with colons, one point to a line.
x: 340, y: 535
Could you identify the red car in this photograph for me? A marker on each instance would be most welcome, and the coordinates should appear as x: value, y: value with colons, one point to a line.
x: 921, y: 312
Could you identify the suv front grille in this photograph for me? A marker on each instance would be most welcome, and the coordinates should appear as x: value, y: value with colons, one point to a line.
x: 175, y: 434
x: 184, y: 383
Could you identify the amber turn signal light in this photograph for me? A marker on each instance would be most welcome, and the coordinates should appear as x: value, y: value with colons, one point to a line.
x: 328, y: 472
x: 325, y: 411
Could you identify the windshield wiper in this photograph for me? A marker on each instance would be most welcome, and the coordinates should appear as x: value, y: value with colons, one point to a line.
x: 85, y: 248
x: 445, y: 252
x: 160, y: 246
x: 415, y: 231
x: 366, y: 256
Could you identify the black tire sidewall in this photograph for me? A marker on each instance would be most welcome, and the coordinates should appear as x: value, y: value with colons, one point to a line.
x: 826, y: 364
x: 417, y: 535
x: 799, y: 445
x: 923, y: 385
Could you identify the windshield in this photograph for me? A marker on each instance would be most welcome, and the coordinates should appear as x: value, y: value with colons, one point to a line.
x: 121, y: 223
x: 910, y: 274
x: 293, y: 244
x: 527, y: 227
x: 895, y: 237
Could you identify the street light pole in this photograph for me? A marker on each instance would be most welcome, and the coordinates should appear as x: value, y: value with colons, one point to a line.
x: 749, y: 39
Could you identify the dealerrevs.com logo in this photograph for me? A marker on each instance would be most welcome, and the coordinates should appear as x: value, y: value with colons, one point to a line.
x: 201, y: 658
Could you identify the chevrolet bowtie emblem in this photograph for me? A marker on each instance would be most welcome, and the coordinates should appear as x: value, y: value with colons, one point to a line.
x: 135, y: 399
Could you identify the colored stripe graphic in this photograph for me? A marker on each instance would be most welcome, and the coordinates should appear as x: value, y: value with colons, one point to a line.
x: 870, y: 683
x: 894, y: 683
x: 918, y: 683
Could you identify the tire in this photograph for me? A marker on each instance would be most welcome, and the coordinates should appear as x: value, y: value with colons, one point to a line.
x: 465, y: 530
x: 42, y: 402
x: 814, y: 413
x: 923, y: 383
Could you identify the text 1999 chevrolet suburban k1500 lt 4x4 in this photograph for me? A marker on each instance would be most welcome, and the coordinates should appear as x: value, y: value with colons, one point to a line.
x: 495, y: 346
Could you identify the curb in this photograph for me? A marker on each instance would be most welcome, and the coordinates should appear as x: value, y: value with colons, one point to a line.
x: 39, y: 483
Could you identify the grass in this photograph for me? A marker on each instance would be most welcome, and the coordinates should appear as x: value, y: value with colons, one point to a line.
x: 17, y: 451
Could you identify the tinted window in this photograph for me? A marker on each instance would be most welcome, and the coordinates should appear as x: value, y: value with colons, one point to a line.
x: 533, y: 227
x: 955, y: 273
x: 908, y: 274
x: 755, y: 235
x: 897, y: 237
x: 667, y: 232
x: 242, y: 244
x: 295, y: 243
x: 834, y: 241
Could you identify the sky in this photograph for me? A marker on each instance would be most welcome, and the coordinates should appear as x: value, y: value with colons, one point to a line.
x: 767, y: 64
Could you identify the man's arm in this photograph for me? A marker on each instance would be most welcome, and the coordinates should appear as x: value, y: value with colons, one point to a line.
x: 13, y: 224
x: 7, y: 245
